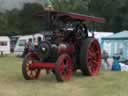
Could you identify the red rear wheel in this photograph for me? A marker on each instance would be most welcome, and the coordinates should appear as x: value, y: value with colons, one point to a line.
x: 90, y: 57
x: 64, y: 68
x: 28, y: 73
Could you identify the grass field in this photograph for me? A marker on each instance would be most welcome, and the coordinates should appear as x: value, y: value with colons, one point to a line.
x: 12, y: 83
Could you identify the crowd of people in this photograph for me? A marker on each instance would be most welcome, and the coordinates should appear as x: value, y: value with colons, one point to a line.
x: 30, y: 45
x: 114, y: 63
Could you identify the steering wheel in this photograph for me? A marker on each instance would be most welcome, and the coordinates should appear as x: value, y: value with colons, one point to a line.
x: 81, y: 31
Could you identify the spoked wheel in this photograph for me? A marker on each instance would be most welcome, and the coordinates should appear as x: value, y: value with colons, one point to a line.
x: 64, y: 68
x: 90, y: 57
x: 27, y: 73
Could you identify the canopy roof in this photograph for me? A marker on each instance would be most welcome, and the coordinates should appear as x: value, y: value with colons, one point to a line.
x: 65, y: 16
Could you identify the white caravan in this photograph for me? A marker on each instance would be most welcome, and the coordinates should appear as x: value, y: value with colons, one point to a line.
x: 20, y: 45
x: 4, y: 45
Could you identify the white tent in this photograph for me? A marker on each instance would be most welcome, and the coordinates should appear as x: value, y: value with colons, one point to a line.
x: 100, y: 35
x: 116, y: 44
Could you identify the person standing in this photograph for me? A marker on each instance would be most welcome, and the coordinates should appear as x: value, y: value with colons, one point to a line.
x: 28, y: 46
x: 105, y: 60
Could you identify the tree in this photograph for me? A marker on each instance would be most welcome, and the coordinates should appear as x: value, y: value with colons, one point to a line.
x: 28, y: 22
x: 108, y: 9
x: 3, y: 24
x: 9, y: 22
x: 13, y: 21
x: 79, y: 6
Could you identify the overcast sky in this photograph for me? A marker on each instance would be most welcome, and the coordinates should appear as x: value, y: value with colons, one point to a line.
x: 9, y: 4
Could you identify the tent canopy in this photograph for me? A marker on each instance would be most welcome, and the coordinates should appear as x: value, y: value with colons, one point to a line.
x: 120, y: 35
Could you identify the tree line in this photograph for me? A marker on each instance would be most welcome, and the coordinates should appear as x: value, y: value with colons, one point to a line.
x: 22, y: 21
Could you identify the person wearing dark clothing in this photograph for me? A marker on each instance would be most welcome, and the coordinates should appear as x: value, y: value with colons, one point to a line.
x: 105, y: 56
x: 39, y: 40
x: 28, y: 47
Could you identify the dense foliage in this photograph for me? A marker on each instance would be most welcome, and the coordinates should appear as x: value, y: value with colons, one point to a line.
x: 13, y: 22
x: 22, y: 21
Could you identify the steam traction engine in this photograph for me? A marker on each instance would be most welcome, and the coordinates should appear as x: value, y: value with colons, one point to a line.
x: 70, y: 49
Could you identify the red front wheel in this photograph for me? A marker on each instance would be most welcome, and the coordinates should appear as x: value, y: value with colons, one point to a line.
x: 63, y: 70
x: 27, y: 72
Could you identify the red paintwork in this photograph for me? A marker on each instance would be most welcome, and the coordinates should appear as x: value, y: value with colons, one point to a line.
x: 65, y: 16
x: 64, y: 68
x: 73, y: 16
x: 68, y: 50
x: 28, y: 73
x: 42, y: 65
x: 94, y: 58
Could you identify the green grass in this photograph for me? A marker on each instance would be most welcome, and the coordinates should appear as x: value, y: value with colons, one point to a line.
x: 12, y: 83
